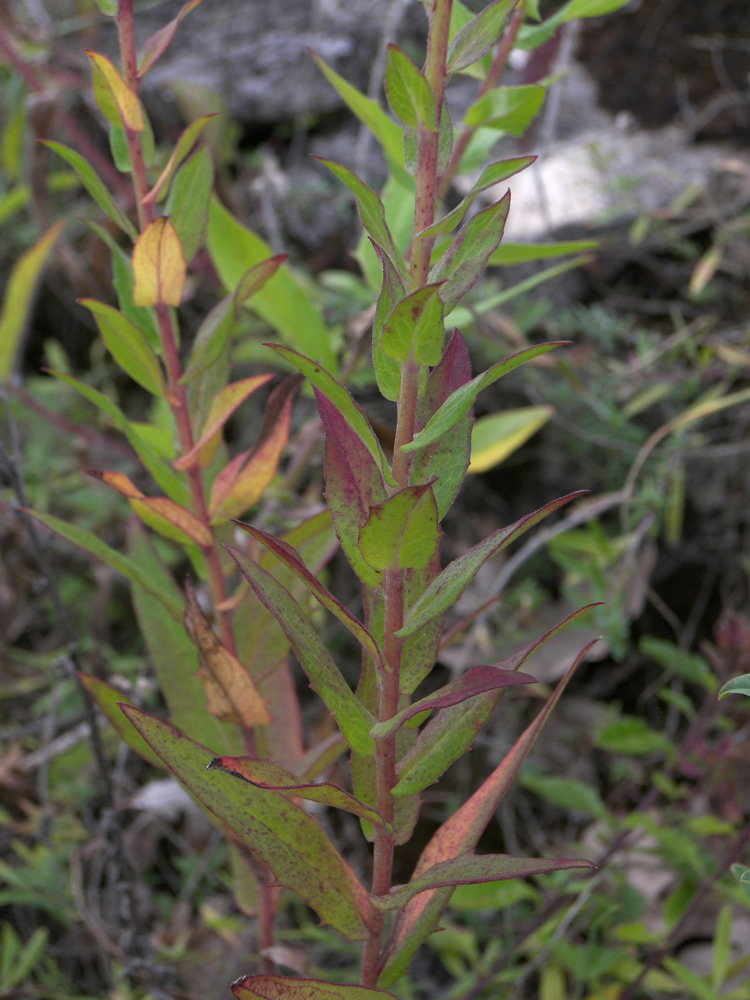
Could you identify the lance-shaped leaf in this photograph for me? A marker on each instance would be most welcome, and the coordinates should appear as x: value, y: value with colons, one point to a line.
x: 157, y: 44
x: 182, y: 149
x: 342, y: 400
x: 507, y: 109
x: 738, y: 685
x: 370, y: 113
x: 231, y: 694
x: 419, y: 652
x: 472, y: 869
x: 492, y: 174
x: 476, y: 681
x: 465, y: 260
x: 215, y: 332
x: 166, y: 477
x: 458, y: 836
x: 415, y: 327
x: 226, y: 402
x: 352, y: 717
x: 88, y: 541
x: 448, y: 736
x: 409, y: 94
x: 292, y: 560
x: 242, y: 483
x: 447, y: 459
x: 117, y: 102
x: 19, y: 295
x: 455, y: 578
x: 128, y: 346
x: 93, y: 184
x: 158, y: 266
x: 521, y: 253
x: 108, y: 700
x: 353, y: 485
x: 496, y: 436
x: 370, y: 207
x: 392, y: 290
x: 459, y: 402
x: 280, y: 833
x: 169, y: 518
x: 479, y: 35
x: 267, y: 774
x: 403, y: 531
x: 286, y: 988
x: 189, y: 201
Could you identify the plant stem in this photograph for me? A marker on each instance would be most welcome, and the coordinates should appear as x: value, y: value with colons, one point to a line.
x: 498, y: 65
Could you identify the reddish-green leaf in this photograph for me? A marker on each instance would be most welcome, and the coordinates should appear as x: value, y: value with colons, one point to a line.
x: 465, y: 260
x: 414, y: 330
x: 460, y: 401
x: 267, y: 774
x: 479, y: 35
x: 109, y: 699
x: 184, y: 145
x: 160, y: 40
x: 470, y: 869
x: 409, y: 93
x: 325, y: 677
x: 117, y: 102
x: 353, y: 485
x: 459, y: 835
x: 456, y: 577
x: 476, y: 681
x: 280, y: 833
x: 291, y: 558
x: 402, y: 532
x: 128, y: 346
x: 285, y: 988
x: 342, y: 400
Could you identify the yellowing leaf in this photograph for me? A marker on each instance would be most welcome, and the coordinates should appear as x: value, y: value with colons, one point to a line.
x: 498, y: 435
x: 118, y: 103
x: 158, y: 266
x: 19, y: 294
x: 223, y: 406
x: 231, y: 694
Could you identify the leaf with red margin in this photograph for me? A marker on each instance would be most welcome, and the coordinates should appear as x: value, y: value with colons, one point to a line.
x: 231, y: 694
x: 476, y: 681
x: 456, y: 577
x: 471, y: 869
x: 222, y: 408
x: 243, y: 482
x: 158, y: 43
x: 459, y: 835
x: 292, y: 843
x: 267, y: 774
x: 291, y: 558
x: 353, y: 485
x: 286, y: 988
x: 451, y: 732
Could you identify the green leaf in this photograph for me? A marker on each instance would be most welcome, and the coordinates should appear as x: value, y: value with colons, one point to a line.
x: 508, y: 109
x: 172, y: 484
x: 286, y: 988
x: 370, y: 207
x: 445, y: 144
x: 522, y: 253
x: 108, y: 700
x: 292, y: 843
x: 532, y: 36
x: 566, y: 793
x: 409, y: 93
x: 459, y: 402
x: 19, y: 296
x: 387, y: 370
x: 189, y: 201
x: 403, y: 531
x: 183, y: 147
x: 691, y: 666
x: 128, y: 346
x: 479, y: 35
x: 343, y: 401
x: 722, y: 948
x: 466, y: 259
x: 470, y: 869
x: 325, y: 677
x: 267, y: 774
x: 90, y: 180
x: 414, y: 330
x: 25, y: 959
x: 497, y: 435
x: 444, y: 591
x: 285, y: 302
x: 369, y: 112
x: 88, y: 541
x: 632, y: 736
x: 738, y: 685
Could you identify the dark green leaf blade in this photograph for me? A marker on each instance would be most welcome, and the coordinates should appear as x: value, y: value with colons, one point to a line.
x: 479, y: 35
x: 409, y: 93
